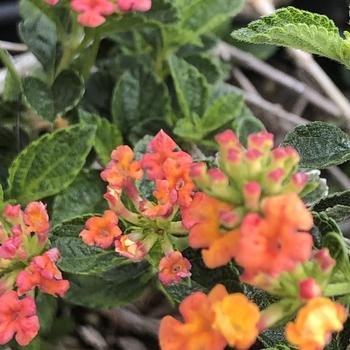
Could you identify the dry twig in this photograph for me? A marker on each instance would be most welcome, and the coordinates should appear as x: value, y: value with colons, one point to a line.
x: 229, y: 52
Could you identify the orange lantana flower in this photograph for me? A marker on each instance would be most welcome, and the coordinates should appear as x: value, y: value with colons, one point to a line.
x: 197, y: 332
x: 121, y: 167
x: 37, y: 219
x: 162, y: 147
x: 237, y: 319
x: 315, y: 323
x: 272, y: 243
x: 134, y: 250
x: 204, y: 217
x: 173, y: 267
x: 101, y: 231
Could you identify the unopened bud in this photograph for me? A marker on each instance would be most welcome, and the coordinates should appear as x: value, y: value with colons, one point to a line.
x: 324, y: 259
x: 309, y: 288
x: 252, y: 193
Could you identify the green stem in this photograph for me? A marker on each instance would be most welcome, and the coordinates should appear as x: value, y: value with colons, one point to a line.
x: 337, y: 289
x: 6, y: 60
x: 91, y: 58
x: 177, y: 228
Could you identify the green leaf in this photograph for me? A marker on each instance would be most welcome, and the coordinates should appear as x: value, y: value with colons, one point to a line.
x: 122, y: 288
x: 189, y: 130
x: 203, y: 16
x: 325, y: 224
x: 38, y: 32
x: 291, y: 27
x: 46, y: 308
x: 339, y: 251
x: 320, y: 145
x: 163, y: 11
x: 139, y: 103
x: 107, y: 138
x: 336, y: 206
x: 50, y: 164
x: 67, y: 90
x: 245, y: 124
x: 315, y: 189
x: 207, y: 66
x: 222, y: 111
x: 12, y: 89
x: 83, y: 196
x: 79, y: 258
x: 39, y: 98
x: 190, y: 85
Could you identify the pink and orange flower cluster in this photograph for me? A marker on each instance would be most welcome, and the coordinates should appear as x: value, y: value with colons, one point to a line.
x: 150, y: 221
x: 92, y: 13
x: 247, y: 211
x: 24, y: 266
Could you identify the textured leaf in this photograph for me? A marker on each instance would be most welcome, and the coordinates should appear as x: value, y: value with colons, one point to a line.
x: 38, y: 32
x: 79, y: 258
x: 315, y: 189
x: 291, y: 27
x: 50, y: 164
x: 245, y: 124
x: 190, y: 85
x: 222, y: 111
x: 12, y: 89
x: 207, y: 66
x: 107, y: 138
x: 320, y: 145
x: 203, y: 16
x: 39, y: 98
x: 99, y: 293
x: 336, y: 206
x: 83, y: 196
x: 139, y: 102
x: 67, y: 90
x: 323, y: 225
x: 46, y: 308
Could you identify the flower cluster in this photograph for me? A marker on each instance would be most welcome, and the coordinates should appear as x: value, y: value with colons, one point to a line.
x: 146, y: 222
x: 250, y: 211
x: 25, y: 265
x: 247, y: 211
x: 92, y: 13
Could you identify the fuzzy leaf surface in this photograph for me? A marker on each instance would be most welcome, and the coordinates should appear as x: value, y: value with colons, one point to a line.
x: 50, y: 164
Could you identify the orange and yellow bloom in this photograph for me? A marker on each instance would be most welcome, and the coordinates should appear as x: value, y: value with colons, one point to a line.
x: 211, y: 322
x: 315, y: 323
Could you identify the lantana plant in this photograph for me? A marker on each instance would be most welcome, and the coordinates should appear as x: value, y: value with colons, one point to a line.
x: 157, y: 176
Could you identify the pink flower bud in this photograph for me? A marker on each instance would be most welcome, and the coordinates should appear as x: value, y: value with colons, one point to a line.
x: 13, y: 214
x: 324, y: 259
x: 134, y: 5
x: 260, y: 141
x: 217, y: 177
x: 309, y: 288
x: 252, y: 193
x: 229, y: 218
x: 299, y: 180
x: 227, y: 138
